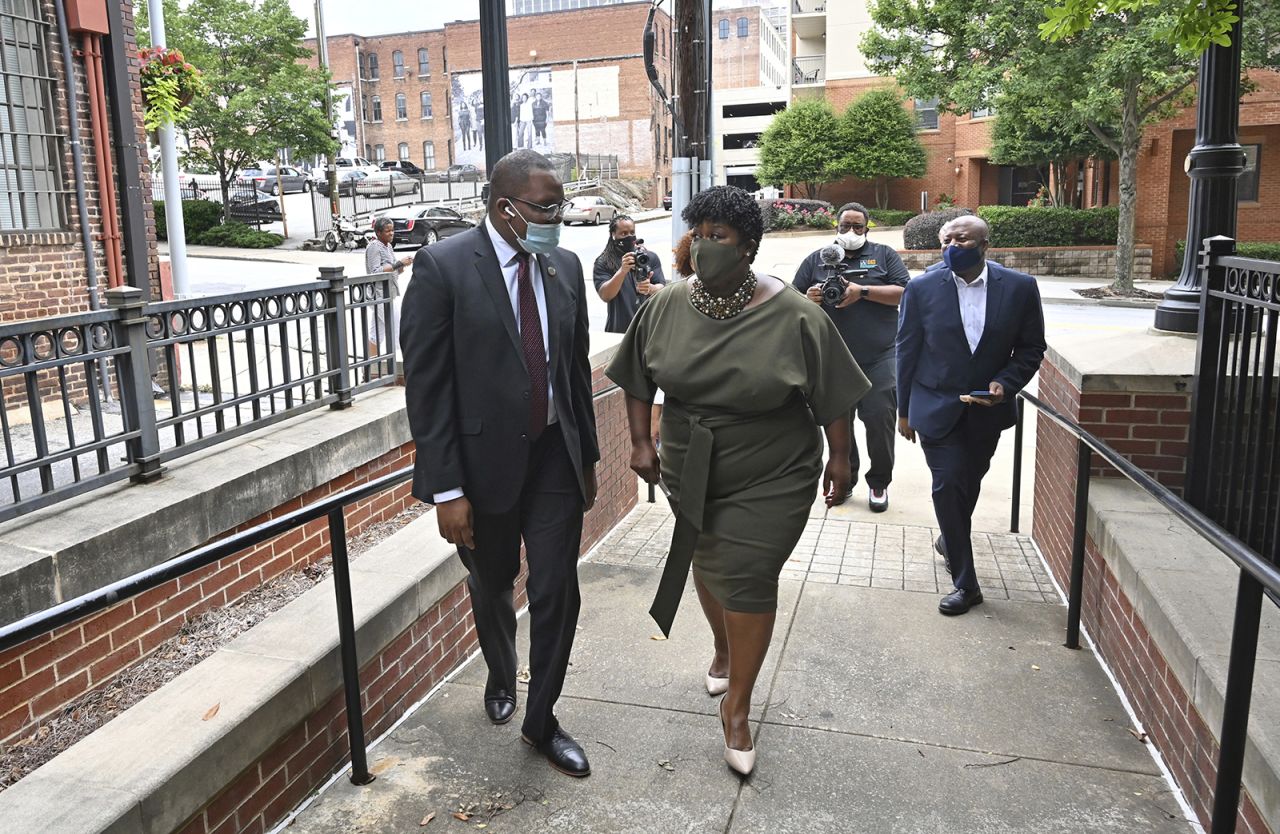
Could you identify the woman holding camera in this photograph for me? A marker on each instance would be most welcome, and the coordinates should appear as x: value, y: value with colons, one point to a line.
x: 751, y: 369
x: 622, y: 283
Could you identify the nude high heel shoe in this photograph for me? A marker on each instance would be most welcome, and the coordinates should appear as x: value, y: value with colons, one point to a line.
x: 741, y: 761
x: 716, y: 686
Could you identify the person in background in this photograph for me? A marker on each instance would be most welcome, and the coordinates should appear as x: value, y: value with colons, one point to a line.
x: 540, y: 108
x: 970, y: 337
x: 379, y: 256
x: 867, y: 318
x: 619, y: 283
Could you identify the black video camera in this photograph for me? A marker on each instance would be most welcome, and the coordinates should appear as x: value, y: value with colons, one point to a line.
x: 837, y: 280
x: 644, y: 258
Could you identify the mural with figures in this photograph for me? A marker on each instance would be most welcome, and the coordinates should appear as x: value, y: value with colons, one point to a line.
x: 530, y: 114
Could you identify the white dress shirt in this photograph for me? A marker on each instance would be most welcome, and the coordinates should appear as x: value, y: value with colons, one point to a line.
x: 510, y: 272
x: 973, y: 306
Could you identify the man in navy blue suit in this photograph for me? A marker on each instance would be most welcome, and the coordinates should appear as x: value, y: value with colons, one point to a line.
x: 970, y: 337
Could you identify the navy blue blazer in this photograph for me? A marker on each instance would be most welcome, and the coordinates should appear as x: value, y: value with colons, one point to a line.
x: 935, y: 365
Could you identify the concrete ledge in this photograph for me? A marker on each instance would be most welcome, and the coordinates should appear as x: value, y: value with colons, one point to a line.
x: 159, y: 763
x: 76, y: 546
x: 1184, y: 591
x: 1129, y: 362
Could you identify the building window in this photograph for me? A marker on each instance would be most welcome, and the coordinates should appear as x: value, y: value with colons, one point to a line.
x: 403, y: 151
x: 426, y: 104
x: 373, y: 67
x: 402, y: 108
x: 364, y: 109
x: 743, y: 27
x: 982, y: 112
x: 424, y: 62
x: 31, y: 194
x: 377, y: 110
x: 1247, y: 185
x: 724, y: 30
x: 379, y: 153
x: 368, y: 151
x: 429, y: 156
x: 397, y: 63
x: 926, y: 113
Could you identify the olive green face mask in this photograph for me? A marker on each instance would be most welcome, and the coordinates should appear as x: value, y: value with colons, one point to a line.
x: 713, y: 261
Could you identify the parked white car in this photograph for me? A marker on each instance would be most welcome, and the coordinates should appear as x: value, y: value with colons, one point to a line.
x: 346, y: 163
x: 591, y: 210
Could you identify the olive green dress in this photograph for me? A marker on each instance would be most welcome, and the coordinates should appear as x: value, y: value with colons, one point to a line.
x: 741, y: 445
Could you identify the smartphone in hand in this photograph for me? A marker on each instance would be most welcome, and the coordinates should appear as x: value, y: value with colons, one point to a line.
x: 985, y: 397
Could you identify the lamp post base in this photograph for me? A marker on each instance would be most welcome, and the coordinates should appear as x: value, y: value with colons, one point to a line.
x: 1179, y: 312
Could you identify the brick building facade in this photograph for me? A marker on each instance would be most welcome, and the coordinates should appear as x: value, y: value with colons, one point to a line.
x: 959, y: 146
x: 42, y: 256
x: 407, y: 88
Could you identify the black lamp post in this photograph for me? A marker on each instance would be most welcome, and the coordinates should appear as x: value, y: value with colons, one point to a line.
x: 496, y: 81
x: 1214, y: 165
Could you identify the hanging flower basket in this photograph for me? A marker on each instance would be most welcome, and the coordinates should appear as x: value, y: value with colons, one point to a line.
x: 169, y: 85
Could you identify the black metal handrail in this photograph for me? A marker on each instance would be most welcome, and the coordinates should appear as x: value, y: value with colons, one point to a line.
x: 333, y: 507
x: 1253, y: 569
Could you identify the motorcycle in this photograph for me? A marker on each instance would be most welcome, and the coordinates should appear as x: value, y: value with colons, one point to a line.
x: 347, y: 234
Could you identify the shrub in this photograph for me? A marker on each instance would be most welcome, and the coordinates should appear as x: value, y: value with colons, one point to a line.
x: 1050, y: 225
x: 1269, y: 251
x: 921, y: 231
x: 891, y: 217
x: 773, y: 208
x: 239, y: 235
x: 198, y: 217
x: 819, y: 219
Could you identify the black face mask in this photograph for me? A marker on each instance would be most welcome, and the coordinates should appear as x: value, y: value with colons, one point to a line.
x: 625, y: 244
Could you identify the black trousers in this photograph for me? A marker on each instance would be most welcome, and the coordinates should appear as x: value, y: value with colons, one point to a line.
x: 878, y: 411
x: 548, y: 517
x: 958, y: 462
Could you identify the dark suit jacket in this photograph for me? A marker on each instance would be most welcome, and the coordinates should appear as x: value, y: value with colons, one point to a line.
x: 466, y: 386
x: 935, y: 365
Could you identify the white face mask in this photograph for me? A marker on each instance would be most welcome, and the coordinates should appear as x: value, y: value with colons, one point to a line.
x: 851, y: 241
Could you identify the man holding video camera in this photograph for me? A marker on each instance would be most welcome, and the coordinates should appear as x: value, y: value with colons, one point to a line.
x: 859, y: 282
x: 625, y: 274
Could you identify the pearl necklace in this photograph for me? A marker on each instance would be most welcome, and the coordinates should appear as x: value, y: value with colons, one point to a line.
x: 722, y: 307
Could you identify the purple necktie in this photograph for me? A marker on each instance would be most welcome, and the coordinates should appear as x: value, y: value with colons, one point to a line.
x: 535, y: 356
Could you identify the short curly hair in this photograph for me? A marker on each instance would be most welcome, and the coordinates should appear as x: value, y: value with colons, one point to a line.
x: 729, y: 205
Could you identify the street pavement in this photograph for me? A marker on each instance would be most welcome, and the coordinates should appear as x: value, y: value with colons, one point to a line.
x: 873, y: 714
x: 214, y: 271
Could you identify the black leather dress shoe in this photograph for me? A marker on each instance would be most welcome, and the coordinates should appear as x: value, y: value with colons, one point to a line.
x: 960, y: 601
x: 562, y: 752
x: 942, y: 551
x: 500, y: 705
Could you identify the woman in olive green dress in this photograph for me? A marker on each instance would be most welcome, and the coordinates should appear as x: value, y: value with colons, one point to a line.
x: 750, y: 368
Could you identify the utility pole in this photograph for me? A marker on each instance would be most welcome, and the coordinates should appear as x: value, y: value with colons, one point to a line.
x: 691, y: 23
x: 169, y: 167
x: 330, y: 165
x: 496, y: 82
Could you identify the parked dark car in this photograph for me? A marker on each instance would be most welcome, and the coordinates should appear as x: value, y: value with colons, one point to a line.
x: 460, y: 173
x: 264, y: 179
x: 423, y: 225
x: 404, y: 166
x: 666, y: 201
x: 254, y: 207
x: 347, y: 181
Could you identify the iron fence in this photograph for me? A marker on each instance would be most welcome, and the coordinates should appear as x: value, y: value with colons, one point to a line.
x: 230, y: 364
x: 1233, y: 477
x: 809, y: 69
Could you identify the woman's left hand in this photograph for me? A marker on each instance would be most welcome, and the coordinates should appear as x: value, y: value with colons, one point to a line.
x: 835, y: 480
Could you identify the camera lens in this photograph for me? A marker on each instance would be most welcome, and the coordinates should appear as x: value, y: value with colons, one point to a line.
x: 642, y: 258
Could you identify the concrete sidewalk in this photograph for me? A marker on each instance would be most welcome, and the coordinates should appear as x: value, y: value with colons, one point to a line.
x: 873, y: 713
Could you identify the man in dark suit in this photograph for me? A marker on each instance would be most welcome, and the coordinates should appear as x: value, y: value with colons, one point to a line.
x: 498, y: 391
x: 970, y: 337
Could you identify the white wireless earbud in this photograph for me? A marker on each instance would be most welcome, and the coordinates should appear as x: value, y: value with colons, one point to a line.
x: 510, y: 212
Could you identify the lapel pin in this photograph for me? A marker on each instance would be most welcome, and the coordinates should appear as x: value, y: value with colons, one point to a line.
x: 551, y: 272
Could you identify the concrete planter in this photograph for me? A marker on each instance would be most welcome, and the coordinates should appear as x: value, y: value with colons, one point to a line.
x: 1092, y: 262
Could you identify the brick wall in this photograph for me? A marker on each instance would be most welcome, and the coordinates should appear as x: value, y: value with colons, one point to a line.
x: 1093, y: 262
x: 735, y: 60
x: 1151, y: 430
x: 556, y: 38
x: 44, y: 273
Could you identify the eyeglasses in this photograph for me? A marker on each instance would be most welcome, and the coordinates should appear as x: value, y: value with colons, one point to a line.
x: 848, y: 227
x: 552, y: 212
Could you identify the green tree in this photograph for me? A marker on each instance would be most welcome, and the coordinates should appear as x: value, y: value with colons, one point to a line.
x: 261, y: 98
x: 1192, y: 25
x: 1124, y: 76
x: 804, y: 145
x: 880, y: 135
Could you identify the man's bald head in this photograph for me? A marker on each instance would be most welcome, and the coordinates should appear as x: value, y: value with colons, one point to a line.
x: 512, y: 174
x: 973, y: 227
